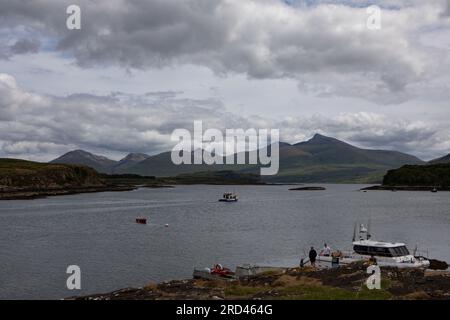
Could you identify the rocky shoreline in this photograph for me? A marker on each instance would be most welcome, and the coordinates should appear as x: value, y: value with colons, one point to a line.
x: 344, y: 283
x: 404, y: 188
x: 29, y: 194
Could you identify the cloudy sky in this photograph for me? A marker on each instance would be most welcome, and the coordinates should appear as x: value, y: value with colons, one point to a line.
x: 138, y: 69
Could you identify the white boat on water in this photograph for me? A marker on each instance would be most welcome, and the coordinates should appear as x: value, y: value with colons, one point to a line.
x: 386, y: 254
x: 229, y: 197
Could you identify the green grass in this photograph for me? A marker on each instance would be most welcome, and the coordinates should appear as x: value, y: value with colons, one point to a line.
x: 337, y: 173
x: 7, y: 165
x: 312, y: 292
x: 243, y: 291
x: 15, y: 165
x: 29, y: 174
x: 319, y: 292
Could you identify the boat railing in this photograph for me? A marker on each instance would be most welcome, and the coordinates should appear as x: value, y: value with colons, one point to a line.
x: 421, y: 253
x: 339, y: 254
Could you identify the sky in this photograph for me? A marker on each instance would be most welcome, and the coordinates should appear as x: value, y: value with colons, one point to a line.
x: 137, y: 70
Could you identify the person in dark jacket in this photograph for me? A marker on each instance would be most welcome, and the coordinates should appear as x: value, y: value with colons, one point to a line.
x: 312, y: 256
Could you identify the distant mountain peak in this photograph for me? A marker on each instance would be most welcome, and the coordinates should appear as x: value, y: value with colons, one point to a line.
x: 320, y: 139
x: 78, y: 151
x: 85, y: 153
x: 135, y: 156
x: 130, y: 160
x: 82, y: 157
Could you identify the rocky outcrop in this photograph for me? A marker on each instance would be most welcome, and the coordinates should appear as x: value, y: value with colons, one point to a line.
x: 347, y: 282
x: 19, y: 174
x: 21, y: 179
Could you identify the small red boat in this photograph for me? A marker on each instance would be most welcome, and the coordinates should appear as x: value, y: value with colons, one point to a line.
x: 221, y: 271
x: 217, y: 273
x: 141, y: 220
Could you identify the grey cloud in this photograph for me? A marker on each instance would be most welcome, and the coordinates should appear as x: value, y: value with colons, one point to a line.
x: 32, y: 124
x: 163, y: 94
x: 359, y: 3
x: 25, y: 46
x: 42, y: 127
x: 21, y: 46
x: 373, y: 131
x: 263, y: 39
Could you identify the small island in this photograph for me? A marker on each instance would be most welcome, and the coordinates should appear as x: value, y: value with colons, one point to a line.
x: 21, y: 179
x: 308, y: 189
x: 431, y: 177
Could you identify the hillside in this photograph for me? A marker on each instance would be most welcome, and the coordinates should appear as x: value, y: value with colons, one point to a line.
x: 20, y: 179
x: 320, y: 159
x: 26, y: 174
x: 100, y: 163
x: 436, y: 175
x: 445, y: 159
x: 161, y: 166
x: 81, y: 157
x: 129, y: 161
x: 325, y: 159
x: 216, y: 177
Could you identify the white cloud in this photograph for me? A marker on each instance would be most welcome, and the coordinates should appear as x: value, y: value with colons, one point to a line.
x: 45, y: 126
x: 319, y: 46
x: 308, y: 67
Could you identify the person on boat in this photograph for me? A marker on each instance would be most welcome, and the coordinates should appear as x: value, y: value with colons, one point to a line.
x: 312, y: 256
x: 326, y: 251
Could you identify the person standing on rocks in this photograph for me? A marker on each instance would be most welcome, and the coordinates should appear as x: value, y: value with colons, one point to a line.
x: 312, y: 256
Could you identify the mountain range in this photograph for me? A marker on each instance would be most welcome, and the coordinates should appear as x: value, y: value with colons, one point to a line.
x: 320, y: 159
x: 100, y: 163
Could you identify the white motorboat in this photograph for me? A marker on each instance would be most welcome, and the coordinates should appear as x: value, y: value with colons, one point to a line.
x: 386, y: 254
x: 229, y: 197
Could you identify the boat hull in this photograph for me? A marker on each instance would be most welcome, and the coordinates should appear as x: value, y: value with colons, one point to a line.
x: 325, y: 261
x: 203, y: 274
x: 249, y: 270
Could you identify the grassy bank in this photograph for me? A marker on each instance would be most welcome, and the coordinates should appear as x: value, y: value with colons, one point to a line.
x: 345, y: 283
x: 20, y: 179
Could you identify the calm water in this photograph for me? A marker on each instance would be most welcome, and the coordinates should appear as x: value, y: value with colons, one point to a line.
x: 269, y: 225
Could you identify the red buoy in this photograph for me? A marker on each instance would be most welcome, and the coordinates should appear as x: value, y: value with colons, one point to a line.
x: 141, y: 220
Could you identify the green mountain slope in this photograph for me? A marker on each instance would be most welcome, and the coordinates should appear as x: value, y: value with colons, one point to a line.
x: 320, y: 159
x: 445, y: 159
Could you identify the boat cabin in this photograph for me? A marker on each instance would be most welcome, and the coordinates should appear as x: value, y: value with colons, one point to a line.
x: 380, y: 249
x: 229, y: 195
